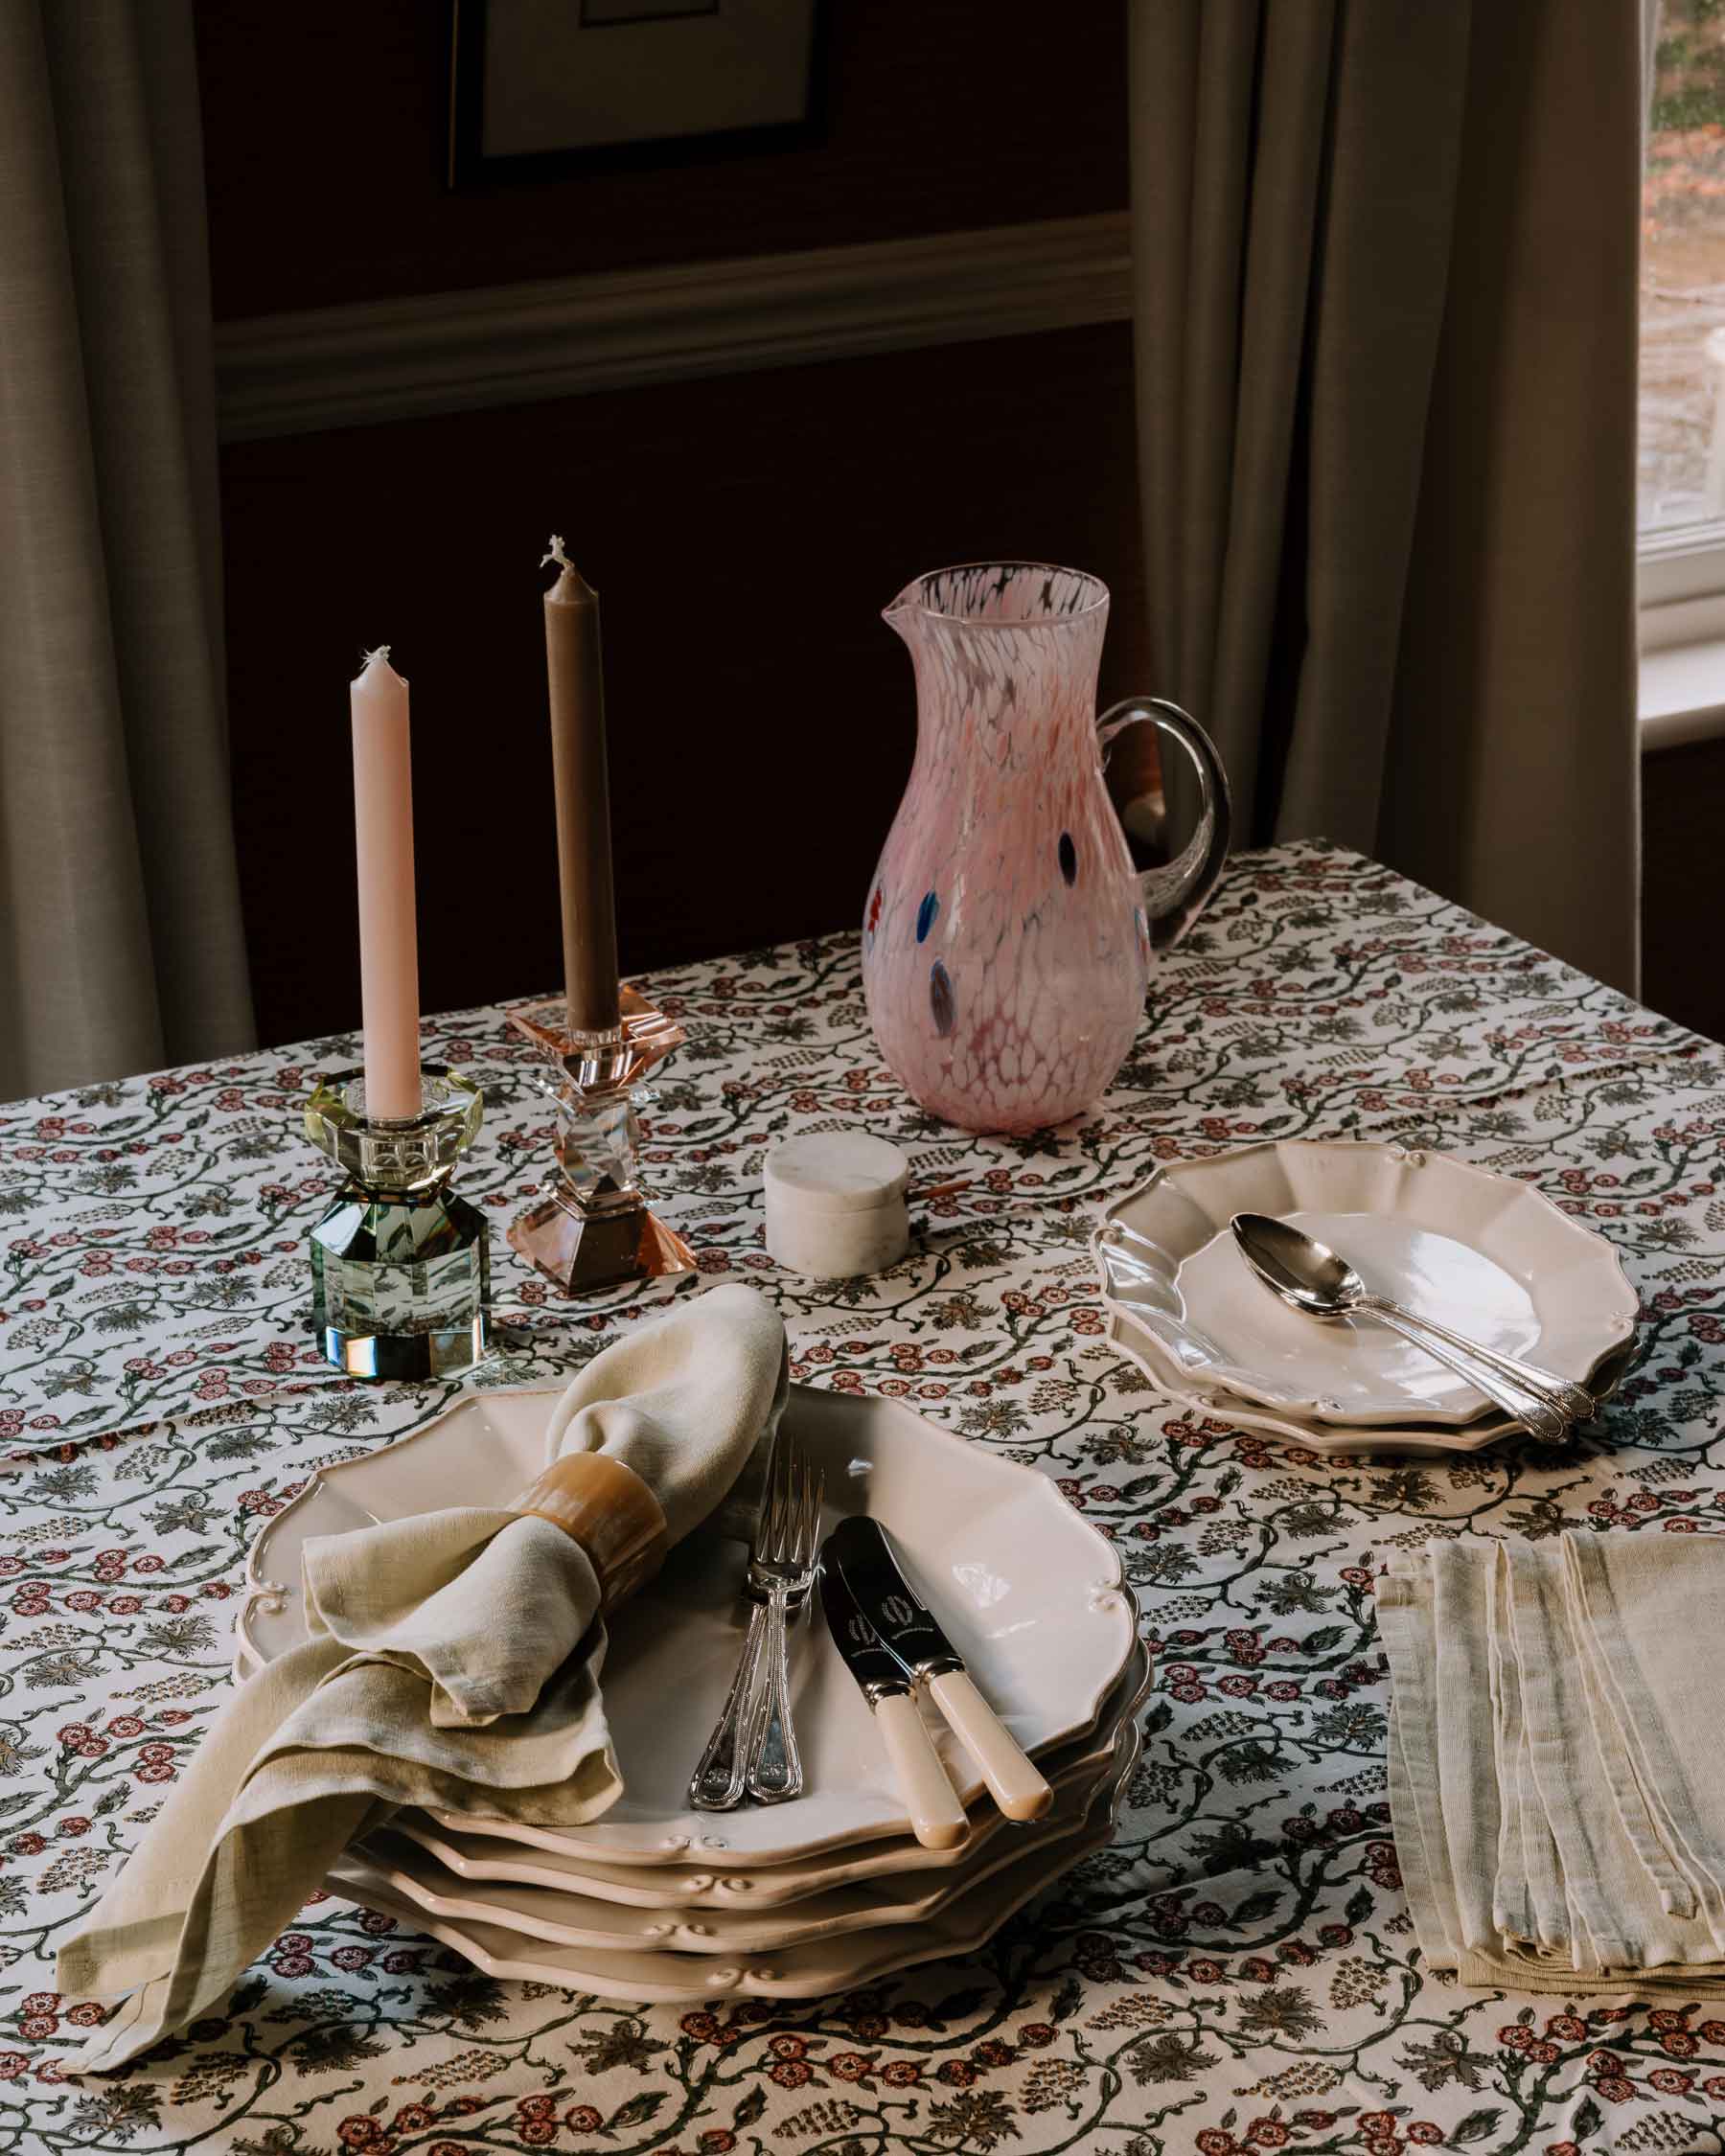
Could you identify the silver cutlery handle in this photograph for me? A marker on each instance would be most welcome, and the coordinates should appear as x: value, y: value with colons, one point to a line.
x: 1569, y: 1399
x: 774, y: 1764
x: 1531, y: 1407
x: 716, y: 1783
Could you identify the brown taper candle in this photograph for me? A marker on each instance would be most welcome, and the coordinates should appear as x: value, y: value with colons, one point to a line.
x: 576, y: 673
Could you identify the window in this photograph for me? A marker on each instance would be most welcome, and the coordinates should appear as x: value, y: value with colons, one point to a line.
x: 1681, y: 493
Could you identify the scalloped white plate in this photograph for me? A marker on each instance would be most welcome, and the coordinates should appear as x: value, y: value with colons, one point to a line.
x: 483, y: 1858
x: 806, y: 1971
x: 1330, y: 1440
x: 565, y: 1915
x: 1030, y: 1593
x: 1484, y: 1253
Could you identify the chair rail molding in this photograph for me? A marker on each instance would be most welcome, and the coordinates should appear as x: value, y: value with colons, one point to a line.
x: 517, y: 344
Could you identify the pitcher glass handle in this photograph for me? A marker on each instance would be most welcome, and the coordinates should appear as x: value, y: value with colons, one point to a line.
x: 1175, y: 894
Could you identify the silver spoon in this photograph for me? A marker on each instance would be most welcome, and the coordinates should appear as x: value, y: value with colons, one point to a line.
x: 1309, y: 1277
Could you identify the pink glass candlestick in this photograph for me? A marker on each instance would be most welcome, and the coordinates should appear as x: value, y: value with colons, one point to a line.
x: 595, y: 1230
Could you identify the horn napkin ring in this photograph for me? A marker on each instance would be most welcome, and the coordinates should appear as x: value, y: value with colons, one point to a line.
x: 602, y: 1504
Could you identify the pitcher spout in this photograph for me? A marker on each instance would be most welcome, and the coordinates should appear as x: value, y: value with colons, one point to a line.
x: 901, y: 613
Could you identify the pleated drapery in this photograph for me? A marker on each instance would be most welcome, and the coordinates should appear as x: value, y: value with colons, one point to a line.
x: 1385, y: 259
x: 122, y: 947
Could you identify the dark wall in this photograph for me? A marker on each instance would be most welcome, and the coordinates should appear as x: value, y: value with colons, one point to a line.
x: 1683, y: 815
x: 742, y: 533
x: 323, y: 129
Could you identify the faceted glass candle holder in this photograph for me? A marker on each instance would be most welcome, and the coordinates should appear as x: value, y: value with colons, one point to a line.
x: 400, y: 1267
x: 595, y: 1230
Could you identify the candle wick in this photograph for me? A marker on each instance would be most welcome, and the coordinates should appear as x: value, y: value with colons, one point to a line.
x: 556, y: 554
x: 366, y: 658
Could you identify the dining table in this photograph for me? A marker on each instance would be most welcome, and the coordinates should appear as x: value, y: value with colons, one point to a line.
x: 1238, y: 1970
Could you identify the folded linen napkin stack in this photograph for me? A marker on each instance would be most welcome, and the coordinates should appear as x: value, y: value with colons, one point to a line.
x: 453, y: 1660
x: 1554, y: 1759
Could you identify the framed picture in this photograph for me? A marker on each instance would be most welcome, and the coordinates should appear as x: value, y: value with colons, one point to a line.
x: 542, y: 88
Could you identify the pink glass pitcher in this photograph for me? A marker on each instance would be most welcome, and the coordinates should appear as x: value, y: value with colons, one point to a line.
x: 1008, y: 936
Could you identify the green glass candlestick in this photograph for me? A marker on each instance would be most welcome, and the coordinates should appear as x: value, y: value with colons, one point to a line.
x: 400, y: 1267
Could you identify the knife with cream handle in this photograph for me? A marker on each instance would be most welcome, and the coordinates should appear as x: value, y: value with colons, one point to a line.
x: 938, y: 1819
x: 858, y: 1548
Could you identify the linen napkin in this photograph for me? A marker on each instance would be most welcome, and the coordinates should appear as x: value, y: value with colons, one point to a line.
x: 1558, y: 1826
x: 454, y: 1659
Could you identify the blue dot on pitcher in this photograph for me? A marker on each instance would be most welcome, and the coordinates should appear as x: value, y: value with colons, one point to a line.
x: 1069, y: 859
x: 925, y: 916
x: 942, y: 1002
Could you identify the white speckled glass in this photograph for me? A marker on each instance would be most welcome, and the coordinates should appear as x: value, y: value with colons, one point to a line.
x: 1007, y: 935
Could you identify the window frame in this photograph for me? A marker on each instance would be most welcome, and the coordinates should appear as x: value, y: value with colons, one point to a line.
x: 1681, y: 585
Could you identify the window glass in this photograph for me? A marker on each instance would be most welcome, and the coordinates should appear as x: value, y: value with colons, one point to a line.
x: 1682, y: 455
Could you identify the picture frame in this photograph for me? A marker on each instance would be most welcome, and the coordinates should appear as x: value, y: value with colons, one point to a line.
x: 549, y: 89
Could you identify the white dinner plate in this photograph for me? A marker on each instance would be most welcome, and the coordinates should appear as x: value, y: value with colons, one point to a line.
x: 808, y: 1971
x: 531, y: 1857
x: 566, y: 1917
x: 1333, y: 1440
x: 1483, y: 1253
x: 1030, y: 1592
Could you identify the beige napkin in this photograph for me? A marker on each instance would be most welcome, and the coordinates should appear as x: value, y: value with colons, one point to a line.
x: 1650, y: 1610
x: 1558, y: 1826
x: 453, y: 1660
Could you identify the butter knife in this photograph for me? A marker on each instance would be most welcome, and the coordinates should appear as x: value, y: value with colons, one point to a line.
x: 937, y: 1818
x: 858, y: 1548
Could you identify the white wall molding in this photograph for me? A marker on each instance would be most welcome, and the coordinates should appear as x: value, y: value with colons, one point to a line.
x: 514, y: 344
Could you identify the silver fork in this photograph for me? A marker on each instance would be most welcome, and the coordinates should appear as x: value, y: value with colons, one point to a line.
x: 775, y: 1763
x: 719, y: 1778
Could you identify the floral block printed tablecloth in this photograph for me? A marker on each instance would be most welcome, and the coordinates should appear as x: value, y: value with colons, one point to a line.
x: 1238, y: 1972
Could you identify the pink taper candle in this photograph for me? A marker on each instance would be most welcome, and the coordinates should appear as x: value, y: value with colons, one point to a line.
x: 388, y: 942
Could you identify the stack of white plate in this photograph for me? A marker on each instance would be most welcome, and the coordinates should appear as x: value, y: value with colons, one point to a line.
x: 1483, y: 1253
x: 655, y: 1901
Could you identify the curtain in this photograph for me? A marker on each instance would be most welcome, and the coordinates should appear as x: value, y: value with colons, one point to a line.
x: 122, y: 947
x: 1385, y: 265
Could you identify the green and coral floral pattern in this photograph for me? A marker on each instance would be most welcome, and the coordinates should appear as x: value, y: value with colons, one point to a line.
x: 1238, y: 1972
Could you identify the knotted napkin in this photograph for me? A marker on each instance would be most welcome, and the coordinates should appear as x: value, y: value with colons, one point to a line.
x: 454, y: 1659
x: 1559, y: 1817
